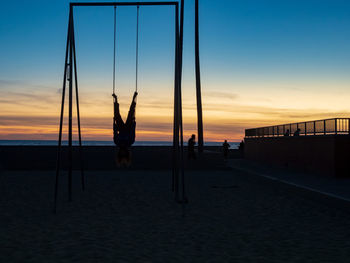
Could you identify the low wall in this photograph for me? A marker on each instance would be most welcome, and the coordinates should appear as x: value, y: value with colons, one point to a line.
x: 103, y: 158
x: 326, y: 155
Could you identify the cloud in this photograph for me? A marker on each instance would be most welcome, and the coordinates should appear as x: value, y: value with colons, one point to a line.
x: 15, y: 95
x: 30, y: 121
x: 28, y: 102
x: 221, y: 95
x: 5, y: 83
x: 36, y: 112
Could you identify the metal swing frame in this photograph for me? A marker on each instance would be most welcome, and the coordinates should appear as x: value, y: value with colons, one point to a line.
x: 70, y: 80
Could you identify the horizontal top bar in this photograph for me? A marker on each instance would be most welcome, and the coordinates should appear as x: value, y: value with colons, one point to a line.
x: 121, y: 3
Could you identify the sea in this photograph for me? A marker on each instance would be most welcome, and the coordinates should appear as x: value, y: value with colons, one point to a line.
x: 234, y: 145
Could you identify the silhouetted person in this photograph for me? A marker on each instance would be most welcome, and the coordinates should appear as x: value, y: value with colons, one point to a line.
x: 241, y: 148
x: 191, y: 144
x: 124, y: 133
x: 225, y: 147
x: 297, y: 132
x: 286, y: 133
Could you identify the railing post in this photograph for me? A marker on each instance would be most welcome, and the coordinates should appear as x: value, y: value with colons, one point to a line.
x: 314, y: 127
x: 305, y: 129
x: 324, y: 127
x: 349, y: 126
x: 335, y: 126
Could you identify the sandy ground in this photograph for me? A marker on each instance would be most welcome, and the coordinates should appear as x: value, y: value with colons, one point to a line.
x: 130, y: 216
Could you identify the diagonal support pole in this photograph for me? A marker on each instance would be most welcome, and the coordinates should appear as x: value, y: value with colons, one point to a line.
x: 59, y: 149
x: 78, y: 111
x: 178, y: 151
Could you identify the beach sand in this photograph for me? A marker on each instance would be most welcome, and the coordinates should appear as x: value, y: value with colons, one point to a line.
x: 130, y: 216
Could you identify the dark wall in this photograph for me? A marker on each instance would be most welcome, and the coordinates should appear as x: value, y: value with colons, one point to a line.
x: 102, y: 158
x: 326, y: 155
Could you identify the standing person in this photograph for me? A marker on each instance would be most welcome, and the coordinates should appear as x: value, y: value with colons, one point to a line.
x: 191, y: 144
x: 225, y: 147
x: 297, y: 132
x: 241, y: 148
x: 287, y: 133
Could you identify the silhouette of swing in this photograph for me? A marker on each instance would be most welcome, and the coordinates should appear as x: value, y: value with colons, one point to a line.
x: 120, y: 128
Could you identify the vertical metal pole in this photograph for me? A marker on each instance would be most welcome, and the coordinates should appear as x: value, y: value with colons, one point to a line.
x: 198, y: 83
x: 58, y: 162
x: 176, y: 112
x: 324, y: 127
x: 175, y: 101
x: 70, y: 112
x: 183, y: 192
x: 78, y: 111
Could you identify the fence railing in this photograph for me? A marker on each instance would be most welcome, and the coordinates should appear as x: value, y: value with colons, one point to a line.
x: 319, y: 127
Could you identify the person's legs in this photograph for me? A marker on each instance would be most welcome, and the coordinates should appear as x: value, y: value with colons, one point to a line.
x: 117, y: 118
x: 118, y: 123
x: 130, y: 123
x: 131, y: 115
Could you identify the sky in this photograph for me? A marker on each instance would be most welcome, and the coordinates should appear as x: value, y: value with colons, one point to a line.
x: 263, y: 62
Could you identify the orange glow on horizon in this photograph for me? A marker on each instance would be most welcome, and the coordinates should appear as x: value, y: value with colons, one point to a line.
x: 27, y: 116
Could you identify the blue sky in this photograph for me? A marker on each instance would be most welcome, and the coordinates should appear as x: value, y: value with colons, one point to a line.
x: 256, y: 53
x: 247, y: 37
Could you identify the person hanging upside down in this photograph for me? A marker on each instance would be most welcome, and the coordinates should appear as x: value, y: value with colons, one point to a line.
x: 124, y: 133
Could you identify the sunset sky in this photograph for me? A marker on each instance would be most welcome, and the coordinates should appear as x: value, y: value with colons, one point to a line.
x: 263, y: 62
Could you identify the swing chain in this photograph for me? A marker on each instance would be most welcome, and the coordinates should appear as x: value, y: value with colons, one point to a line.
x: 114, y: 46
x: 137, y: 48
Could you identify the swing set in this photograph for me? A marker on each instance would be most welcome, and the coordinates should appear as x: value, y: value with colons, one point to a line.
x: 70, y: 80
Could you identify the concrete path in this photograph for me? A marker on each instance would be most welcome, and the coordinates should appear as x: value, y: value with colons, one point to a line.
x: 338, y: 188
